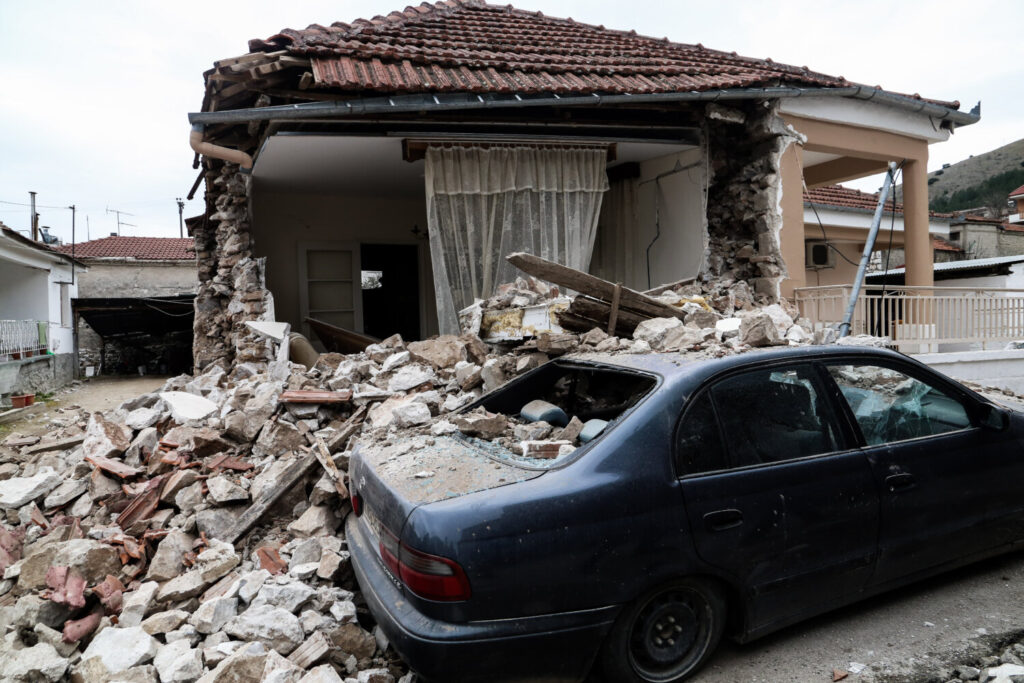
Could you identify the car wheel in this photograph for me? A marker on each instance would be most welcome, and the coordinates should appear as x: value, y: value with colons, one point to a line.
x: 666, y: 635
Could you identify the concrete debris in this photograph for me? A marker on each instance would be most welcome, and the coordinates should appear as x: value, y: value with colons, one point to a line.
x: 193, y: 533
x: 122, y: 648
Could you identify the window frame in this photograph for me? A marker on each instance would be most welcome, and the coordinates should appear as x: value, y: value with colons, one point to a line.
x: 951, y: 389
x: 833, y: 402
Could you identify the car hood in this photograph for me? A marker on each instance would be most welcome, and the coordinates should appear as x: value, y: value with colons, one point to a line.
x: 422, y: 469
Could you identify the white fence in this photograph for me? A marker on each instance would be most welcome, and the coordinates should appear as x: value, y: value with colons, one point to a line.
x: 919, y: 319
x: 22, y: 339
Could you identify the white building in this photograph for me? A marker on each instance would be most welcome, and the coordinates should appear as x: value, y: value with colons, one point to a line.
x: 36, y: 328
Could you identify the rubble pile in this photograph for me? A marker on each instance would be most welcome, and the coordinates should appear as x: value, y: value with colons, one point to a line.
x: 194, y: 533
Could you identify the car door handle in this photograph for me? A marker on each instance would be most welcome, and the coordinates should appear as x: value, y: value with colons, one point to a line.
x: 900, y: 482
x: 720, y: 520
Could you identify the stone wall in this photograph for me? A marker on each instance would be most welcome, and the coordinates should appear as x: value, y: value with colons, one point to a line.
x: 232, y: 285
x: 745, y: 144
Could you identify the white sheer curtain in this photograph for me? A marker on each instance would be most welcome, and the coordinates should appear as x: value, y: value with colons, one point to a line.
x: 485, y: 203
x: 616, y: 247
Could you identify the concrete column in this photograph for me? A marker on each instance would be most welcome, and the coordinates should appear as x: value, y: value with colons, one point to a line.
x: 791, y: 237
x: 915, y: 222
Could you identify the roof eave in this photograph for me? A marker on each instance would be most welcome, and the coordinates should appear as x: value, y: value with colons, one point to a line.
x: 420, y: 102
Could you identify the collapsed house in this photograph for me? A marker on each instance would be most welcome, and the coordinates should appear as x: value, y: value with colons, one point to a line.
x: 410, y: 179
x: 415, y: 151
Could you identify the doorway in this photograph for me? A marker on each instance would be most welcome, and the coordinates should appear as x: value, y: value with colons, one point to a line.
x: 391, y: 290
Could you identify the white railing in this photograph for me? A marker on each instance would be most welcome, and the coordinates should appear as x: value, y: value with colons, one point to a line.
x: 919, y: 319
x: 22, y: 339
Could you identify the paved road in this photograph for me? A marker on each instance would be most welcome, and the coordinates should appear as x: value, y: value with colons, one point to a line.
x: 904, y: 636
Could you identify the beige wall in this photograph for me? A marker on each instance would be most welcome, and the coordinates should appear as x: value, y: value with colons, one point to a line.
x: 676, y: 204
x: 282, y: 220
x: 138, y: 278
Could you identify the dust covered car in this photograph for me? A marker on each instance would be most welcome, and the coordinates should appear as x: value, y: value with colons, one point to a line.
x: 733, y: 496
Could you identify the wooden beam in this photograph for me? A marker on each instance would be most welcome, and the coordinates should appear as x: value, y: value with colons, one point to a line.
x: 591, y: 286
x: 292, y: 476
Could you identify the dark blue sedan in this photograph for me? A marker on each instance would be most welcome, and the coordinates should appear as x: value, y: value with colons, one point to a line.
x: 733, y: 496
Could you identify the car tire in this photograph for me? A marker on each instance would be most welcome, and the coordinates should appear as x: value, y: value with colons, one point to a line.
x: 665, y: 635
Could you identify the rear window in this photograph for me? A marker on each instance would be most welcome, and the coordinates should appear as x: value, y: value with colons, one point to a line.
x: 559, y: 408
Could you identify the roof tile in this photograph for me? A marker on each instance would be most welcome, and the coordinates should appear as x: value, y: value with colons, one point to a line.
x: 468, y: 45
x: 142, y: 248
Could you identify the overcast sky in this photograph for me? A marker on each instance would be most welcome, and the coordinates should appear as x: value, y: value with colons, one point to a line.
x: 94, y: 96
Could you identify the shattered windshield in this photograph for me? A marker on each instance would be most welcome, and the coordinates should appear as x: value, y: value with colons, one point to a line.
x: 543, y: 418
x: 891, y: 406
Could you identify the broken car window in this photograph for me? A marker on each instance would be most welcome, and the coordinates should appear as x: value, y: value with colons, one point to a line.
x: 891, y: 406
x: 772, y: 415
x: 554, y: 410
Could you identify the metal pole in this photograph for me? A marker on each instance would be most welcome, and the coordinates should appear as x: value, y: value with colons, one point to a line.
x: 869, y: 246
x: 34, y: 219
x: 72, y: 207
x: 181, y: 223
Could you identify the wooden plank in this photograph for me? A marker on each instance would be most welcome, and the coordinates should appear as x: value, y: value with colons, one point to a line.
x: 599, y: 311
x: 312, y: 651
x: 613, y: 314
x: 590, y: 285
x: 324, y: 456
x: 292, y: 476
x: 351, y: 426
x: 310, y: 396
x: 670, y: 285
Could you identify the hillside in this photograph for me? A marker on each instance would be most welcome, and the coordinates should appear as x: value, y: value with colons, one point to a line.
x: 981, y: 180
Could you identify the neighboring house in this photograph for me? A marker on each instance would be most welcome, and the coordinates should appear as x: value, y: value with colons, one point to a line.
x: 982, y: 237
x: 36, y: 334
x: 836, y: 224
x: 428, y: 144
x: 134, y: 307
x: 1017, y: 199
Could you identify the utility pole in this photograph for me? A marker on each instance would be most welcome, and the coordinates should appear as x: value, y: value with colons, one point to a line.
x: 119, y: 221
x: 34, y: 228
x: 181, y: 220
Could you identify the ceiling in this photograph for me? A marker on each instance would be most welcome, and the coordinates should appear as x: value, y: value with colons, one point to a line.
x: 372, y: 165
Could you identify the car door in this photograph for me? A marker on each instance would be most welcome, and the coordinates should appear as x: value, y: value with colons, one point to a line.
x: 776, y: 495
x: 949, y: 489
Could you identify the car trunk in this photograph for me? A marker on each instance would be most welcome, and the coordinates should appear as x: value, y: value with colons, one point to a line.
x: 393, y: 479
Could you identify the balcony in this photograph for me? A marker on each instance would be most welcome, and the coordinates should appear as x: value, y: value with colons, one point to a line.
x: 21, y: 339
x: 922, y: 319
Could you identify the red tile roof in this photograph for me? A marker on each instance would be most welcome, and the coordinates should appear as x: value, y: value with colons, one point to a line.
x: 939, y: 244
x: 142, y: 248
x: 848, y: 198
x: 1019, y: 192
x: 470, y: 46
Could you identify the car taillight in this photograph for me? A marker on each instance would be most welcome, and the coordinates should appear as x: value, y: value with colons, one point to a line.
x: 389, y: 551
x: 432, y: 577
x: 428, y: 576
x: 357, y: 503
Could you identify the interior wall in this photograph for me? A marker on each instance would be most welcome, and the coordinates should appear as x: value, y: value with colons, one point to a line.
x: 281, y: 220
x: 669, y: 218
x: 24, y: 293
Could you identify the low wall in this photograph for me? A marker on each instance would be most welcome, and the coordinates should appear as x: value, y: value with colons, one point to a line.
x: 1003, y: 369
x: 36, y: 375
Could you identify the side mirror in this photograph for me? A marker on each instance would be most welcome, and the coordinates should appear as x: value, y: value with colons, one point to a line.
x: 994, y: 418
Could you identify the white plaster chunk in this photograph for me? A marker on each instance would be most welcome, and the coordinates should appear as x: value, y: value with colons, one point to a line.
x: 41, y: 662
x: 271, y: 330
x: 18, y: 491
x: 409, y: 377
x: 324, y: 673
x: 121, y: 648
x: 178, y: 662
x: 187, y: 407
x: 140, y: 418
x: 211, y: 616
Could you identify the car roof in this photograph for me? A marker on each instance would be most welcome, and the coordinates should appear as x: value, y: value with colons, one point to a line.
x: 675, y: 367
